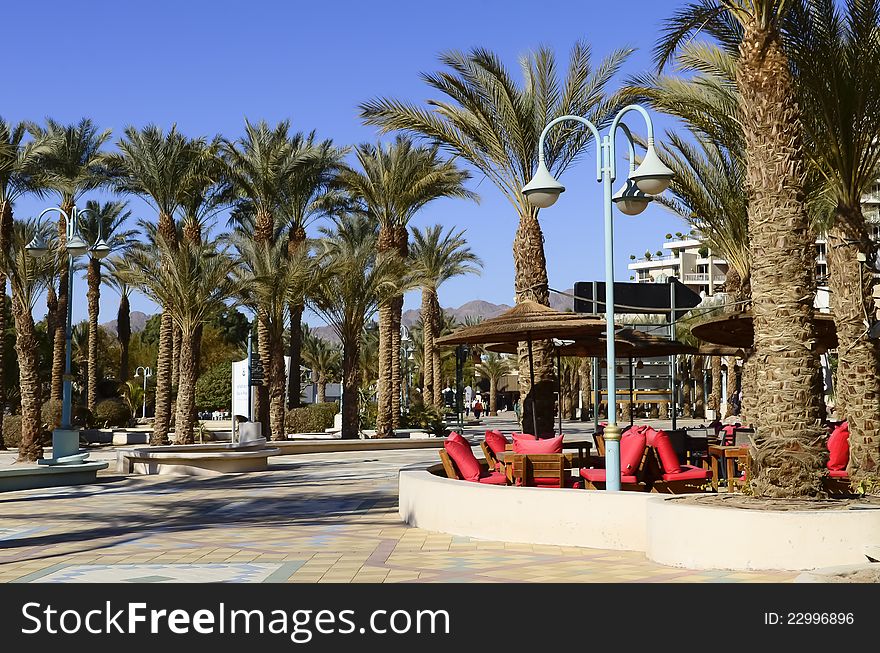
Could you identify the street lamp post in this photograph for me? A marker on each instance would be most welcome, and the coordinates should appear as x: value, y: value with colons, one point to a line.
x: 651, y: 177
x: 65, y: 440
x: 147, y: 374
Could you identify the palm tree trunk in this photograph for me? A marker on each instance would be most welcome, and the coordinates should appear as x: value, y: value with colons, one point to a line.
x: 162, y: 420
x: 700, y: 390
x: 396, y: 374
x: 436, y: 361
x: 123, y: 333
x: 747, y: 384
x: 427, y: 347
x: 261, y: 404
x: 2, y: 352
x: 322, y: 389
x: 585, y: 372
x: 350, y: 378
x: 183, y: 422
x: 384, y: 385
x: 175, y: 357
x: 715, y: 397
x: 294, y: 389
x: 531, y: 284
x: 94, y: 297
x: 27, y: 348
x: 731, y: 385
x: 685, y: 371
x: 493, y: 400
x: 858, y: 368
x: 789, y: 449
x: 277, y: 386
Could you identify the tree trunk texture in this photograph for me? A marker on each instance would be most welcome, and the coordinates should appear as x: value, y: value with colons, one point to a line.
x: 436, y: 361
x: 684, y: 370
x: 700, y: 390
x: 427, y: 346
x: 262, y: 409
x: 857, y: 395
x: 162, y: 420
x: 94, y: 298
x: 531, y: 284
x: 383, y: 391
x: 123, y: 333
x: 715, y: 396
x: 27, y: 349
x: 731, y: 385
x: 396, y: 373
x: 322, y: 389
x: 747, y: 383
x: 6, y: 224
x: 186, y: 393
x: 294, y: 387
x: 175, y: 357
x: 788, y: 455
x: 350, y: 377
x: 585, y: 378
x: 277, y: 385
x: 493, y: 396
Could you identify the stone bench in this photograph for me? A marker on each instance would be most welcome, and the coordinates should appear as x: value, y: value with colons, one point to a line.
x: 26, y: 477
x: 196, y: 459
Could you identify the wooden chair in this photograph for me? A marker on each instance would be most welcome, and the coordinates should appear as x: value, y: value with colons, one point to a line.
x: 491, y: 459
x: 487, y: 475
x: 599, y: 439
x: 448, y: 465
x: 540, y: 470
x: 640, y: 478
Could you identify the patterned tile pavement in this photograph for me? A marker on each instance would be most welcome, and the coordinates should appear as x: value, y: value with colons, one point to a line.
x: 329, y: 518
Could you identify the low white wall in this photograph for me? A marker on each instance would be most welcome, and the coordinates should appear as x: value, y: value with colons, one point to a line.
x: 602, y: 520
x: 702, y: 537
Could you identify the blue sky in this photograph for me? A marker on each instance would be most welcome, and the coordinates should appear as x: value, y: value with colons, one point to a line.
x: 206, y: 65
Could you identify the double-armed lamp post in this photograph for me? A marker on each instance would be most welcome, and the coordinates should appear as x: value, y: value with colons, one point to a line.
x: 65, y: 440
x: 650, y: 178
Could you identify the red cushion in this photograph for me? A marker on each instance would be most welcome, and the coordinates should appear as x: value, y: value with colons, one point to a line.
x: 496, y: 442
x: 493, y: 478
x: 548, y: 445
x: 523, y: 436
x: 838, y: 473
x: 632, y: 447
x: 464, y: 459
x: 688, y: 473
x: 456, y: 437
x: 838, y: 447
x: 668, y: 457
x: 598, y: 475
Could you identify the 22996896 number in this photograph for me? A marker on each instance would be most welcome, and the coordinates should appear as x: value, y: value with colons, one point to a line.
x: 809, y: 618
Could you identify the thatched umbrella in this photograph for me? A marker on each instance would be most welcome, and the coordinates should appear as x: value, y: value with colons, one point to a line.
x: 526, y: 322
x: 737, y: 330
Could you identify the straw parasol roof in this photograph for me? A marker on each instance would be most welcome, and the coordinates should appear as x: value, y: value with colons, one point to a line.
x: 628, y: 343
x: 526, y: 321
x: 737, y: 330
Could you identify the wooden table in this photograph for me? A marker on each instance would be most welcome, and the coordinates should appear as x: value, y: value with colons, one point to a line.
x: 572, y: 460
x: 729, y: 456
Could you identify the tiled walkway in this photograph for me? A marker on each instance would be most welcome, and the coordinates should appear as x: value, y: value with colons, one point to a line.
x: 312, y: 518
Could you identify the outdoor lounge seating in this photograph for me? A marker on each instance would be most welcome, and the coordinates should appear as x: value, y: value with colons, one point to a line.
x: 665, y: 473
x: 493, y: 447
x: 543, y: 470
x: 633, y: 458
x: 837, y: 481
x: 460, y: 463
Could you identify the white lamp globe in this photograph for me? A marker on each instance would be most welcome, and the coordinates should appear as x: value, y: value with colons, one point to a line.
x: 76, y: 246
x: 543, y: 190
x: 652, y: 176
x: 630, y: 200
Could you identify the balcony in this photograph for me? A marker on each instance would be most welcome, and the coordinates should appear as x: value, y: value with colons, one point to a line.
x: 702, y: 278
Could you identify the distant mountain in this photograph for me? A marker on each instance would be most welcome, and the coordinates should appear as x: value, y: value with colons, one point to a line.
x: 138, y: 323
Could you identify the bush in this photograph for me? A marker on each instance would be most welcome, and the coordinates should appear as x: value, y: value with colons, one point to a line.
x: 11, y: 431
x: 112, y: 412
x: 427, y: 418
x: 315, y: 418
x: 214, y: 388
x: 50, y: 414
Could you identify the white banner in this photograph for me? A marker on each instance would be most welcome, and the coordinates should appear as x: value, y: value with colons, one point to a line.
x: 240, y: 388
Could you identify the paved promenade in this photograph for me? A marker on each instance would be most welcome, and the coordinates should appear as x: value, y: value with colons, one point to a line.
x: 311, y: 518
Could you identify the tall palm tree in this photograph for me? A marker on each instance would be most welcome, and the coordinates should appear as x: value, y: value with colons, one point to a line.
x: 71, y: 164
x: 192, y: 281
x: 494, y: 367
x: 788, y: 452
x: 18, y: 175
x: 351, y: 283
x: 841, y: 116
x: 156, y: 166
x: 267, y: 277
x: 28, y: 277
x: 437, y: 257
x: 107, y: 220
x: 490, y: 120
x: 395, y: 182
x: 123, y: 315
x: 324, y: 360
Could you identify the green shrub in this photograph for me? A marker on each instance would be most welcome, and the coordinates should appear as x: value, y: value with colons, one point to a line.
x: 112, y: 412
x: 315, y: 418
x: 11, y: 431
x: 427, y: 418
x: 50, y: 415
x: 214, y: 388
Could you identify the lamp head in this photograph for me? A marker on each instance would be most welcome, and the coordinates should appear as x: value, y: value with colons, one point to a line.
x: 100, y: 249
x: 38, y: 247
x: 543, y: 190
x: 652, y: 176
x: 630, y: 200
x: 76, y: 246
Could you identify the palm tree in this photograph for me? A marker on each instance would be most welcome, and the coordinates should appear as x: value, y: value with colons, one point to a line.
x: 267, y: 277
x: 585, y: 373
x: 324, y: 360
x: 495, y: 123
x: 351, y: 283
x: 72, y: 163
x: 123, y: 315
x: 18, y: 160
x: 157, y: 167
x: 436, y: 258
x: 394, y: 183
x: 788, y: 452
x: 107, y: 221
x: 192, y: 281
x: 841, y: 116
x: 28, y: 277
x: 493, y: 367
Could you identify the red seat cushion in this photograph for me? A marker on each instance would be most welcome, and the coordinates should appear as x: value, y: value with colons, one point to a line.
x: 554, y: 482
x: 496, y: 442
x: 668, y: 457
x: 598, y: 475
x: 632, y: 447
x: 688, y: 473
x: 464, y: 459
x: 493, y: 478
x: 523, y: 436
x: 838, y: 448
x: 838, y: 473
x: 457, y: 437
x: 548, y: 445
